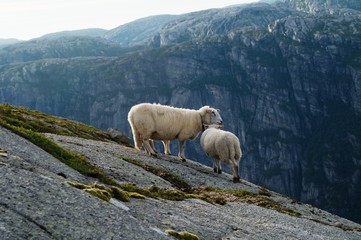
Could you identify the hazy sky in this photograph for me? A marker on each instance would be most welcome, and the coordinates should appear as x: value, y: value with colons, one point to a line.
x: 26, y: 19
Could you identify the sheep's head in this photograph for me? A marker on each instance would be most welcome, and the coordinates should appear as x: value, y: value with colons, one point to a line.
x: 215, y: 116
x: 210, y: 116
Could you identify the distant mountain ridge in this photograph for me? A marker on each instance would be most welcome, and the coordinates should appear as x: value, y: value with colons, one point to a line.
x: 140, y: 31
x: 91, y: 32
x: 317, y: 6
x: 7, y: 42
x: 286, y: 77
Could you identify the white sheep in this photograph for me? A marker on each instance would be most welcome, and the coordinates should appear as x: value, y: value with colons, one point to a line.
x: 159, y: 122
x: 223, y: 146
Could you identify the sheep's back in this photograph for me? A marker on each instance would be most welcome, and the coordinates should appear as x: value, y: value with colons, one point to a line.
x: 161, y: 122
x: 221, y: 144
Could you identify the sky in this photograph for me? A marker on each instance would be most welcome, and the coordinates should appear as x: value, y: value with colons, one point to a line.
x: 27, y: 19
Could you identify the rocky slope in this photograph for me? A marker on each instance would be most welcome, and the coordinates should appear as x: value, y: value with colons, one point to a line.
x: 287, y: 81
x: 42, y: 197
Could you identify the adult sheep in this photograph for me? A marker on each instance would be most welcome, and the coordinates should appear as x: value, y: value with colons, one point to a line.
x: 160, y: 122
x: 223, y: 146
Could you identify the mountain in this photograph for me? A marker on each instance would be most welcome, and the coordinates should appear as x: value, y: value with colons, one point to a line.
x: 140, y: 31
x: 286, y: 79
x: 215, y: 23
x: 60, y: 47
x: 8, y: 41
x: 63, y: 179
x: 90, y: 32
x: 329, y: 6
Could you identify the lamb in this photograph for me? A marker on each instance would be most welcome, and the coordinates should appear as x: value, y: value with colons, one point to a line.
x: 159, y: 122
x: 223, y: 146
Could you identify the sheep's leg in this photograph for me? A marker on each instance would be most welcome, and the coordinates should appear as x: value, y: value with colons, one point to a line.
x: 151, y: 143
x: 216, y: 166
x: 236, y: 177
x: 137, y: 140
x: 148, y: 147
x: 219, y: 170
x: 181, y: 150
x: 166, y: 147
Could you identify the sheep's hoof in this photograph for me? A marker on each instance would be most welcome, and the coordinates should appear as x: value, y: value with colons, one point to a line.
x: 154, y: 155
x: 215, y: 170
x: 219, y: 171
x: 182, y: 158
x: 236, y: 180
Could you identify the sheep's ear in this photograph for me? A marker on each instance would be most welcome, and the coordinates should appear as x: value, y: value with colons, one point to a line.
x: 209, y: 110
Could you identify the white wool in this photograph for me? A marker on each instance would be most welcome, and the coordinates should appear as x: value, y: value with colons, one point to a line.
x: 222, y: 146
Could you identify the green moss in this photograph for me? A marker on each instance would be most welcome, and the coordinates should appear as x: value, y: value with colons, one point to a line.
x: 170, y: 194
x: 158, y: 193
x: 265, y: 192
x: 120, y: 194
x: 105, y: 193
x: 182, y: 235
x: 220, y: 196
x: 131, y: 187
x: 166, y: 175
x: 262, y: 201
x: 77, y: 185
x: 136, y: 195
x: 102, y: 187
x: 26, y: 124
x: 102, y: 194
x: 43, y: 123
x: 220, y: 200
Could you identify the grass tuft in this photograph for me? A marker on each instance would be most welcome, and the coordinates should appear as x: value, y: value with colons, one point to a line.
x: 182, y: 235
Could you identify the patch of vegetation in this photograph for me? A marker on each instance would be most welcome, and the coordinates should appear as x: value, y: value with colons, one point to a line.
x: 205, y: 193
x: 126, y: 191
x: 172, y: 178
x: 217, y: 195
x: 106, y: 193
x: 169, y: 194
x: 26, y: 124
x: 40, y: 122
x: 158, y: 193
x: 182, y: 235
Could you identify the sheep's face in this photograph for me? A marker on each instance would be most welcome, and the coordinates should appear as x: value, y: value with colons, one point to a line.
x: 215, y: 116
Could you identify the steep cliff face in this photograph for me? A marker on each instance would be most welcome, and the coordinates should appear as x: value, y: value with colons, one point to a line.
x: 288, y: 84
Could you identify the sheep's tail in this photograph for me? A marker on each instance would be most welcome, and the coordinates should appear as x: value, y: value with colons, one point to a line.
x: 137, y: 139
x: 238, y: 151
